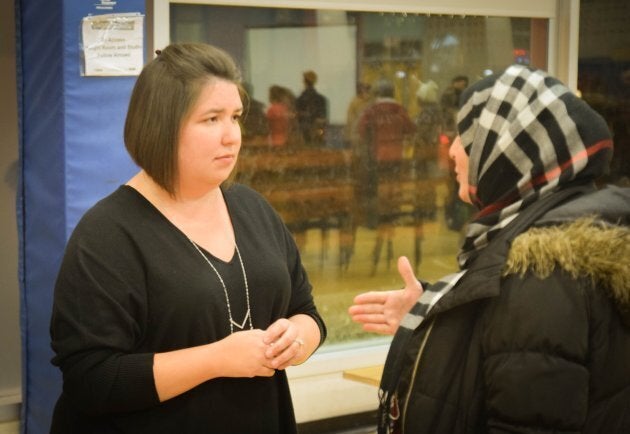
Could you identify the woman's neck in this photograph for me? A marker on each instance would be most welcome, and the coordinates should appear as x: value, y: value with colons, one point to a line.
x: 203, y: 218
x: 183, y: 198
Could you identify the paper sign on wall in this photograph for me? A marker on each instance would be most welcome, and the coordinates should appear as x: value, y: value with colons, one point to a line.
x: 113, y: 44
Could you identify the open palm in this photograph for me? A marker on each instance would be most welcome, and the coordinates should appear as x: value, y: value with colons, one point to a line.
x: 381, y: 311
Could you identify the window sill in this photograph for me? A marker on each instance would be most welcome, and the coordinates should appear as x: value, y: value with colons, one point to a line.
x: 319, y: 390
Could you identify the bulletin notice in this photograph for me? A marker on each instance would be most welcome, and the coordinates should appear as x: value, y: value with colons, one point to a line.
x: 113, y: 44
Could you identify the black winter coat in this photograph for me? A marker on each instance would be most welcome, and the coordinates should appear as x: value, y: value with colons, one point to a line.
x: 535, y: 338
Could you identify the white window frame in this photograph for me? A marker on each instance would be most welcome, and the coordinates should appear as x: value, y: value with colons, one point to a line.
x: 563, y: 16
x: 318, y: 387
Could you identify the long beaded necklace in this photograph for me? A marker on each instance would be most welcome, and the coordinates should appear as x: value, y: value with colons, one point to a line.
x: 248, y: 315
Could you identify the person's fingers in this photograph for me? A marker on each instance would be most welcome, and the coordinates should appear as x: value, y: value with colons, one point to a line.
x: 279, y: 337
x: 275, y: 331
x: 282, y: 360
x: 369, y: 318
x: 383, y: 329
x: 365, y: 309
x: 413, y: 288
x: 372, y: 297
x: 406, y: 272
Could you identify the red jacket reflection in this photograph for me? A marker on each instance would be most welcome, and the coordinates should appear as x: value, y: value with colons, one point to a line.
x: 383, y: 127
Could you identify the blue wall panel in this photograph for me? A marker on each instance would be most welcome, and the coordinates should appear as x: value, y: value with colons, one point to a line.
x: 71, y: 155
x: 96, y: 159
x: 40, y: 34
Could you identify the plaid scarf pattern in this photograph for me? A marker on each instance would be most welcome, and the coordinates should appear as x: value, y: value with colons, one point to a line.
x: 526, y: 135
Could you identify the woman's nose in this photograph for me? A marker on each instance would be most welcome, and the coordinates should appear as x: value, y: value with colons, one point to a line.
x: 232, y: 133
x: 452, y: 151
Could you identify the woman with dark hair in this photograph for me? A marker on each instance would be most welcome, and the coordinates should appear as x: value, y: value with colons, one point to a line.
x: 181, y: 297
x: 533, y: 333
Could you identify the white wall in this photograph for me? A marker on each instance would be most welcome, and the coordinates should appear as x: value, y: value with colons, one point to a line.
x: 327, y: 50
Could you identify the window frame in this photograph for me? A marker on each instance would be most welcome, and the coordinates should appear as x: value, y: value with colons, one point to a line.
x: 563, y: 16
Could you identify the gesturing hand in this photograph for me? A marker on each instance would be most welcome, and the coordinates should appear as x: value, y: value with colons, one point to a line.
x: 382, y: 311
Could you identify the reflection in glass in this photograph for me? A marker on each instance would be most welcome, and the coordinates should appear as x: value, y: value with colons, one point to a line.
x: 350, y: 118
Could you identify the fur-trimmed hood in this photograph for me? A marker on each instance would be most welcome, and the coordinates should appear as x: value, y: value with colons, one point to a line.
x: 585, y: 248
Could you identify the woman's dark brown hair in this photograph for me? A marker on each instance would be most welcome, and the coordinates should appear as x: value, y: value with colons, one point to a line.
x: 165, y: 92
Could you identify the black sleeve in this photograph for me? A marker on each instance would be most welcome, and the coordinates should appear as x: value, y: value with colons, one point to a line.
x: 98, y: 320
x: 302, y: 298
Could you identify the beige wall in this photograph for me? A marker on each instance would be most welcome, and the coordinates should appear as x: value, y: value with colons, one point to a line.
x: 9, y: 293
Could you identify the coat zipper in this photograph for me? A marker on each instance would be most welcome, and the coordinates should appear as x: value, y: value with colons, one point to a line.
x: 413, y: 374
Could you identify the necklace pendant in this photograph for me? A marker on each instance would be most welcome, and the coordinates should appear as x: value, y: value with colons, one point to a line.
x: 248, y: 315
x: 241, y: 326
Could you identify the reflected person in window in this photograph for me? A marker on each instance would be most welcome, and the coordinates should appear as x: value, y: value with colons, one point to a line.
x: 429, y: 126
x: 361, y: 100
x: 532, y: 334
x: 181, y: 298
x: 312, y: 111
x: 282, y: 117
x: 255, y: 126
x: 384, y: 127
x: 450, y: 103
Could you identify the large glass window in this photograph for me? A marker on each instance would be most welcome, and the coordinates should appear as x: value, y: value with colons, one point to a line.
x: 348, y: 127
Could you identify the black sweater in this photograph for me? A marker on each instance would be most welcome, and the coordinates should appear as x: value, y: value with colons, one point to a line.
x: 131, y: 285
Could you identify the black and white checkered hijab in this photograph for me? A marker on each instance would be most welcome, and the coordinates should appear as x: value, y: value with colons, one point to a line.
x: 527, y: 135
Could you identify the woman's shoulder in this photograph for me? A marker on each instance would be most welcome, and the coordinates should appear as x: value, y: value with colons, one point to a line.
x: 242, y: 197
x: 122, y: 207
x: 586, y: 248
x: 243, y: 192
x: 121, y: 196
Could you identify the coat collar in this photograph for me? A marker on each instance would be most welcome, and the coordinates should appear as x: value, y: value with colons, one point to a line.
x: 585, y: 248
x: 483, y: 277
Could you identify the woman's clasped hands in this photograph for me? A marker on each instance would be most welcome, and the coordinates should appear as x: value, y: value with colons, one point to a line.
x: 259, y: 353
